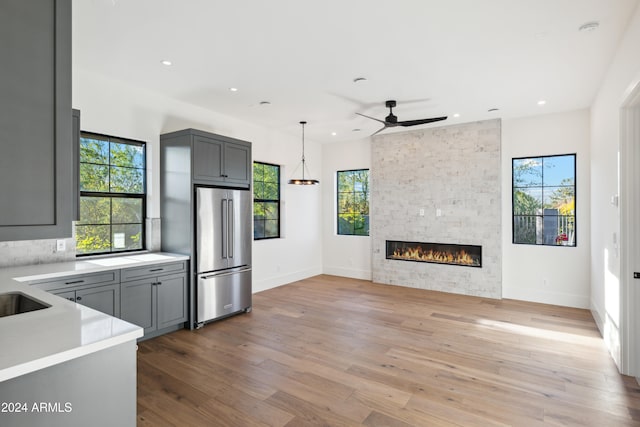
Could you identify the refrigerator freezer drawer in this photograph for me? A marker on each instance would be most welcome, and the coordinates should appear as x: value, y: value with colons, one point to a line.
x: 222, y: 294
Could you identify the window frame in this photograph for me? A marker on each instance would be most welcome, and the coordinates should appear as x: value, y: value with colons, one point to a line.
x: 542, y: 187
x: 111, y: 195
x: 277, y: 201
x: 338, y: 192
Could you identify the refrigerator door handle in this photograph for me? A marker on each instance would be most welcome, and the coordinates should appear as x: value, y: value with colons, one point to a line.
x: 225, y: 237
x: 231, y: 233
x: 227, y: 273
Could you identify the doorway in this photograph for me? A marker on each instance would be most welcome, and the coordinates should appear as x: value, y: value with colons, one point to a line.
x: 630, y: 234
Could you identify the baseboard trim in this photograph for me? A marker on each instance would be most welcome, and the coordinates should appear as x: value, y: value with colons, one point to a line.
x: 274, y: 282
x: 352, y: 273
x: 553, y: 298
x: 597, y: 317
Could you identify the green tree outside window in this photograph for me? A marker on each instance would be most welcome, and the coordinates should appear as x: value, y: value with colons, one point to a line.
x: 266, y: 201
x: 112, y: 195
x: 353, y: 202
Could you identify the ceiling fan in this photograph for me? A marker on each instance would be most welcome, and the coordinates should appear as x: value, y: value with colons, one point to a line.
x: 391, y: 120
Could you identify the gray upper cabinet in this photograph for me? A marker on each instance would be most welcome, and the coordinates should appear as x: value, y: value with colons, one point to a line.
x: 215, y: 159
x: 75, y: 197
x: 237, y: 163
x: 35, y: 120
x: 207, y: 159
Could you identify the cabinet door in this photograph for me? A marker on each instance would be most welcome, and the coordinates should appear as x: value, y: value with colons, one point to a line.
x: 172, y: 300
x: 70, y: 295
x: 138, y: 303
x: 102, y: 298
x: 35, y: 120
x: 207, y: 160
x: 237, y: 163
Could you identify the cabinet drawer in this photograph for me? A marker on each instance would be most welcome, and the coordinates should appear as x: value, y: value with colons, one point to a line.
x: 79, y: 280
x: 152, y: 270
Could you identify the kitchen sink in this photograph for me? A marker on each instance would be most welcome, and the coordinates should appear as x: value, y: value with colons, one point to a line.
x: 16, y: 302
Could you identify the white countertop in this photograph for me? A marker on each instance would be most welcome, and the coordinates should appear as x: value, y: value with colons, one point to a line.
x: 66, y: 330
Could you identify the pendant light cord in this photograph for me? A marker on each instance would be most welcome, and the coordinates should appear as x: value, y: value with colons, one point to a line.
x: 303, y: 164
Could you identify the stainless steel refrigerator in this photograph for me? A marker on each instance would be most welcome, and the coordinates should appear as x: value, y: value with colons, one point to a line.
x: 223, y: 252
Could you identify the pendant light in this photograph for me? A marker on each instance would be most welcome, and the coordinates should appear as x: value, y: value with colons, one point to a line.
x: 303, y: 180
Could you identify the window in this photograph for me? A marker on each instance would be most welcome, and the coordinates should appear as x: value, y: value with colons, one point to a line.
x: 544, y: 200
x: 266, y: 201
x: 353, y: 202
x: 112, y: 195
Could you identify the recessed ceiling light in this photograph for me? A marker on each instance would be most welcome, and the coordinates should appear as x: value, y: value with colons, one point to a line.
x: 334, y: 133
x: 265, y: 103
x: 165, y: 62
x: 542, y: 102
x: 456, y: 115
x: 588, y: 27
x: 491, y: 110
x: 233, y: 89
x: 359, y: 79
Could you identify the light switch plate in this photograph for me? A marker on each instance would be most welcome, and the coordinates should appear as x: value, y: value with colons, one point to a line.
x: 61, y: 246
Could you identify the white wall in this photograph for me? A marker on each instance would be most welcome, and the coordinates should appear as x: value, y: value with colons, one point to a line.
x: 113, y: 108
x: 622, y: 76
x: 524, y: 268
x: 547, y: 274
x: 348, y: 256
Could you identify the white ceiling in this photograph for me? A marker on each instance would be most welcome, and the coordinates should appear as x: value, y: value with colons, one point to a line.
x: 435, y: 57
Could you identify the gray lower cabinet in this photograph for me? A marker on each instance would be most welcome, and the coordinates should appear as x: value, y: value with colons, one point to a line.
x: 102, y: 298
x: 155, y: 297
x: 100, y: 291
x: 97, y: 390
x: 139, y: 304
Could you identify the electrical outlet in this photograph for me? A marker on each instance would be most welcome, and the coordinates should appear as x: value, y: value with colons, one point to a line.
x: 421, y: 212
x: 61, y: 246
x: 438, y: 212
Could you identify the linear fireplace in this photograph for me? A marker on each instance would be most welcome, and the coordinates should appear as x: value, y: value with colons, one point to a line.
x: 439, y: 253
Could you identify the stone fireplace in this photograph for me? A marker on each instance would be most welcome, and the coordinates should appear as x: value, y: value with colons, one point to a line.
x: 438, y: 185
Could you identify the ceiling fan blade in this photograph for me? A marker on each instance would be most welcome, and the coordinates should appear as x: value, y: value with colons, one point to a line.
x: 379, y: 130
x: 372, y: 118
x: 421, y: 121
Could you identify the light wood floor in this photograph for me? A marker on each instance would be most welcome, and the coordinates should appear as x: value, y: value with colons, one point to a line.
x: 341, y: 352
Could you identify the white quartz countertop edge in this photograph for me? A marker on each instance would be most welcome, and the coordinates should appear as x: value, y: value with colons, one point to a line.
x: 29, y: 273
x: 66, y: 330
x: 64, y: 356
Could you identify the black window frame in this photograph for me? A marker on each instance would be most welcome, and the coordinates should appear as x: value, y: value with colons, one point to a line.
x: 108, y: 194
x: 542, y: 187
x: 262, y: 200
x: 368, y: 198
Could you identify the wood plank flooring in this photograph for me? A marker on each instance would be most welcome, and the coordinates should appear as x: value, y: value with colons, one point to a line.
x: 331, y: 351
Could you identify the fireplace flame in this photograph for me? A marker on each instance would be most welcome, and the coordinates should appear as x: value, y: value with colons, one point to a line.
x: 446, y: 257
